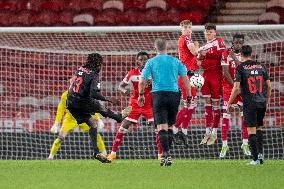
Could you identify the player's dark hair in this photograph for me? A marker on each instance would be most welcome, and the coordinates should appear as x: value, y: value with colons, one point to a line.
x: 94, y: 61
x: 246, y: 51
x: 210, y: 26
x: 239, y: 36
x: 143, y: 53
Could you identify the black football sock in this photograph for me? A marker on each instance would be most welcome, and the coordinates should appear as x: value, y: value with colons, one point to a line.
x: 93, y: 137
x: 253, y: 147
x: 170, y: 137
x: 163, y: 137
x: 259, y: 139
x: 112, y: 115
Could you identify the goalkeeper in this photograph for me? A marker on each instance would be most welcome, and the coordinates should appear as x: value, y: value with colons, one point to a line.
x: 69, y: 123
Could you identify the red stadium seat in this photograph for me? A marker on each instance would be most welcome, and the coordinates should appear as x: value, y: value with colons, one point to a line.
x: 131, y: 17
x: 195, y: 16
x: 269, y: 18
x: 154, y: 16
x: 45, y: 18
x: 113, y: 5
x: 8, y: 5
x: 5, y: 18
x: 137, y: 4
x: 157, y: 4
x: 51, y: 5
x: 83, y: 20
x: 106, y: 18
x: 65, y: 18
x: 94, y: 5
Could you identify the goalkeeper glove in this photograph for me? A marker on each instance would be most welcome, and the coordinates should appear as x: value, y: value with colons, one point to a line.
x: 55, y: 128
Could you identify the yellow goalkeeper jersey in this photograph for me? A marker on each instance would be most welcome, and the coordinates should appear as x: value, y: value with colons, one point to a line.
x: 63, y: 111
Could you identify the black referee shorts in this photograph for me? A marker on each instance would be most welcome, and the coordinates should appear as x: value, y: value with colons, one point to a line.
x: 82, y: 112
x: 165, y: 106
x: 253, y: 116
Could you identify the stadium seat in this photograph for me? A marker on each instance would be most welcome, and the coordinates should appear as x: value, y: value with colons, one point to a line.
x: 154, y: 16
x: 138, y: 4
x: 107, y: 17
x: 269, y: 18
x: 22, y: 18
x: 113, y: 5
x: 51, y: 5
x: 45, y: 18
x: 5, y: 18
x: 2, y: 89
x: 65, y: 18
x: 157, y: 4
x: 94, y: 5
x: 83, y: 20
x: 131, y: 17
x: 195, y: 16
x: 8, y: 5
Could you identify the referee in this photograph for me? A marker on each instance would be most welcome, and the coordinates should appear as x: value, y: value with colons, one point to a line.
x: 164, y: 70
x: 252, y: 81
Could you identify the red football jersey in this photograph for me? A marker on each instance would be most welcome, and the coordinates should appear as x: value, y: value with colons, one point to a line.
x: 214, y: 50
x: 133, y: 77
x: 185, y: 56
x: 227, y: 60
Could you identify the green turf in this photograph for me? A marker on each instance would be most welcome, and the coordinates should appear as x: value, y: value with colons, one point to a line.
x: 140, y: 174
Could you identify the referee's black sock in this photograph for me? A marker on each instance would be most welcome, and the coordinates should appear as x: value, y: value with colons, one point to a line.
x: 163, y: 137
x: 259, y: 139
x: 93, y: 137
x: 170, y: 137
x: 253, y: 146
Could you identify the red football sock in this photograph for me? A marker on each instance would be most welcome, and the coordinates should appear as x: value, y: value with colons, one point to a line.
x: 187, y: 118
x: 244, y: 129
x: 180, y: 117
x: 225, y: 126
x: 208, y: 115
x: 217, y: 117
x: 117, y: 141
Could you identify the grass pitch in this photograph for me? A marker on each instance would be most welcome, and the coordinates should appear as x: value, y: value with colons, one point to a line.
x: 140, y: 174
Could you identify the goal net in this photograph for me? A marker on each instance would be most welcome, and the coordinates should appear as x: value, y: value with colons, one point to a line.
x: 37, y: 63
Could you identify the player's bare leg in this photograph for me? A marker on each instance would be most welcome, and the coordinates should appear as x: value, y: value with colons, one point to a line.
x: 56, y: 144
x: 118, y: 138
x: 208, y: 120
x: 119, y: 117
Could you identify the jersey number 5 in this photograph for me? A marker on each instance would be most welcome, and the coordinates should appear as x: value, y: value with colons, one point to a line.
x: 252, y: 83
x: 77, y: 81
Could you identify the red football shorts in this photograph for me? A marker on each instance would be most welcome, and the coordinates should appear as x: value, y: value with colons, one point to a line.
x: 137, y: 111
x: 212, y: 86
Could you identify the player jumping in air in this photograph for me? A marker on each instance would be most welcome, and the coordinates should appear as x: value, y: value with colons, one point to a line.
x: 132, y: 78
x: 187, y: 54
x: 230, y: 59
x: 69, y: 123
x: 84, y: 100
x: 209, y: 58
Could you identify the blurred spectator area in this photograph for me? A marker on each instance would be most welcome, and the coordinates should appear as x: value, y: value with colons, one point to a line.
x: 103, y: 12
x: 274, y: 13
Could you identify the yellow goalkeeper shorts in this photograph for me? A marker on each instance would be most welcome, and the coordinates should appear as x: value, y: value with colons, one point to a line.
x: 70, y: 123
